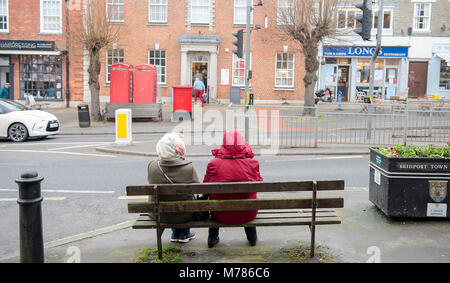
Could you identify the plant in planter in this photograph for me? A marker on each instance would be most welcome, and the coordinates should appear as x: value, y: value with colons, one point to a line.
x: 410, y: 181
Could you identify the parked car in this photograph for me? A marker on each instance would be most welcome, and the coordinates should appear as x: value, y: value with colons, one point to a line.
x: 18, y: 122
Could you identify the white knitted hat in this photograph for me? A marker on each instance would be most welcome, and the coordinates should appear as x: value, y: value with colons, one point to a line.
x: 171, y: 146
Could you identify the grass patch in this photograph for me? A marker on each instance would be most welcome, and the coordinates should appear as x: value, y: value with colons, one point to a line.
x: 170, y: 254
x: 301, y: 254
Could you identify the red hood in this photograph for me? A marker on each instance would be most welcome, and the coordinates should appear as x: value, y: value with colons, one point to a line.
x: 233, y: 146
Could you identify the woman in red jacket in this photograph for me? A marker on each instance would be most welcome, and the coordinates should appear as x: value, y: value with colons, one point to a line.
x: 233, y: 162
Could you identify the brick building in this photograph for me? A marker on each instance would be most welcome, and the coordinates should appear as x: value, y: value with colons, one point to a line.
x: 35, y: 57
x: 182, y: 37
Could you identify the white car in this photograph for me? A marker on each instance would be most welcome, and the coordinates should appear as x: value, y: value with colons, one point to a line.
x: 18, y: 122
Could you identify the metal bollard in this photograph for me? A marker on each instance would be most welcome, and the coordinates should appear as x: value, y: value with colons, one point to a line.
x: 30, y: 217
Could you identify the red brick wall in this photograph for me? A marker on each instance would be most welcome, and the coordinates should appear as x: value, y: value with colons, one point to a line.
x: 138, y: 37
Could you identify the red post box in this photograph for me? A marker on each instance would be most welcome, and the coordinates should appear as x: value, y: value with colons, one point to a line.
x: 120, y: 83
x: 182, y: 98
x: 145, y: 84
x: 182, y: 102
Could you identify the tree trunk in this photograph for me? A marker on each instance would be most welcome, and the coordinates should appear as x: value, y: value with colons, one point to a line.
x: 94, y: 85
x: 310, y: 79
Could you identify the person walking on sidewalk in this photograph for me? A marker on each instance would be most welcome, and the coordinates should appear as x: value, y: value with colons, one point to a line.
x: 171, y: 167
x: 199, y: 88
x: 233, y: 162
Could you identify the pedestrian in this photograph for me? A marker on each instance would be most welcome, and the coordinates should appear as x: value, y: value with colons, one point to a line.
x: 171, y: 167
x: 4, y: 91
x: 233, y: 162
x: 199, y: 88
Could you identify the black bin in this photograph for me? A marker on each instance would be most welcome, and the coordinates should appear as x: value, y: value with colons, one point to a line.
x: 83, y: 116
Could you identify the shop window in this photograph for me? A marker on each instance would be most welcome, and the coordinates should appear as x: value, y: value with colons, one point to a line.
x: 392, y: 62
x: 330, y: 60
x: 391, y: 75
x: 345, y: 61
x: 422, y: 15
x: 157, y: 11
x: 363, y: 71
x: 115, y: 10
x: 4, y: 15
x: 158, y: 58
x: 284, y: 73
x: 444, y: 81
x: 51, y: 17
x: 113, y: 56
x: 200, y: 10
x: 41, y: 77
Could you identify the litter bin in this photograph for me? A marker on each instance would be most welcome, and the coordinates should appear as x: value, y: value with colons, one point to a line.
x: 83, y: 116
x: 182, y: 102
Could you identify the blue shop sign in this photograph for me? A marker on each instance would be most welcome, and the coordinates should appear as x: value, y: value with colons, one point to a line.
x: 365, y: 51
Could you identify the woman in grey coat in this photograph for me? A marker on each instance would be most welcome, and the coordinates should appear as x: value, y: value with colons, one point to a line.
x: 171, y: 167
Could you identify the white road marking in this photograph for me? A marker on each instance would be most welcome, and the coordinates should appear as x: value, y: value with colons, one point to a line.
x: 80, y: 146
x: 133, y: 197
x: 317, y: 158
x: 45, y: 198
x: 65, y: 191
x: 57, y: 152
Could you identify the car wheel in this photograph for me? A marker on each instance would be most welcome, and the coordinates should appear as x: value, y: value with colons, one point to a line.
x: 17, y: 132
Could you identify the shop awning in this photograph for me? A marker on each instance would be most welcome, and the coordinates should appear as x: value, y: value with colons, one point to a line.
x: 29, y: 52
x: 444, y: 56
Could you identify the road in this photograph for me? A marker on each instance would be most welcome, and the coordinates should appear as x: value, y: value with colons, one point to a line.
x: 84, y: 190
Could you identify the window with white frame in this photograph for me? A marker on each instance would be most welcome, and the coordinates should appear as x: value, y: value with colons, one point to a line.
x: 158, y: 58
x: 422, y: 15
x: 238, y: 70
x: 285, y: 12
x: 113, y: 56
x: 240, y: 12
x: 115, y: 10
x: 51, y: 16
x: 346, y: 18
x: 157, y: 11
x: 4, y: 23
x: 284, y: 70
x: 200, y: 11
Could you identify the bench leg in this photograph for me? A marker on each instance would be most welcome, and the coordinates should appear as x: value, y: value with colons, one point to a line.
x: 158, y: 236
x: 313, y: 233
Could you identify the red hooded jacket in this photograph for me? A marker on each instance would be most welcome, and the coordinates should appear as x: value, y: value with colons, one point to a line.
x: 233, y: 162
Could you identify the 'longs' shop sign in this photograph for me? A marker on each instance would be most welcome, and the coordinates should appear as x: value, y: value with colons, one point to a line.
x: 39, y: 45
x: 365, y: 51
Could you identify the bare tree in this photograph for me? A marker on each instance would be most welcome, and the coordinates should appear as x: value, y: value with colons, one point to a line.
x: 95, y: 32
x: 309, y: 23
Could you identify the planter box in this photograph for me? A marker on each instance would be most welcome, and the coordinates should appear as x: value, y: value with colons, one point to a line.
x: 409, y: 187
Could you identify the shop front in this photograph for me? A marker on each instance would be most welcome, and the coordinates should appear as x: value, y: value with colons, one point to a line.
x: 38, y: 67
x: 346, y: 71
x: 439, y: 72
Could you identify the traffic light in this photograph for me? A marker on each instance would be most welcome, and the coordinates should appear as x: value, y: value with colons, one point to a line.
x: 365, y: 19
x: 239, y: 43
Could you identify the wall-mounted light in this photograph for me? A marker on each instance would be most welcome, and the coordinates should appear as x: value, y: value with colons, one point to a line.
x: 156, y: 45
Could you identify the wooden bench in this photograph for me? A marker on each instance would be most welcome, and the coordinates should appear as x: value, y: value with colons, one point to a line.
x: 138, y: 110
x: 290, y: 211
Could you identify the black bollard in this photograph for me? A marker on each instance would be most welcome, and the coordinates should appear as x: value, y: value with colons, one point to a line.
x: 30, y: 218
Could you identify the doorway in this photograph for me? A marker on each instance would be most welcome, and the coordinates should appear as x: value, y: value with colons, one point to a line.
x: 200, y: 69
x: 343, y: 82
x: 417, y: 79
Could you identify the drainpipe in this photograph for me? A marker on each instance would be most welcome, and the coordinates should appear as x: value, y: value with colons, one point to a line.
x: 67, y: 57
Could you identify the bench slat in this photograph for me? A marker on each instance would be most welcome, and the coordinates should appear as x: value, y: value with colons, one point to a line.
x: 235, y: 187
x: 150, y: 224
x: 234, y: 205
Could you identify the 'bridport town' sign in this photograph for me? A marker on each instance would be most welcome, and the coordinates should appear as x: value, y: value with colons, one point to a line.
x: 37, y: 45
